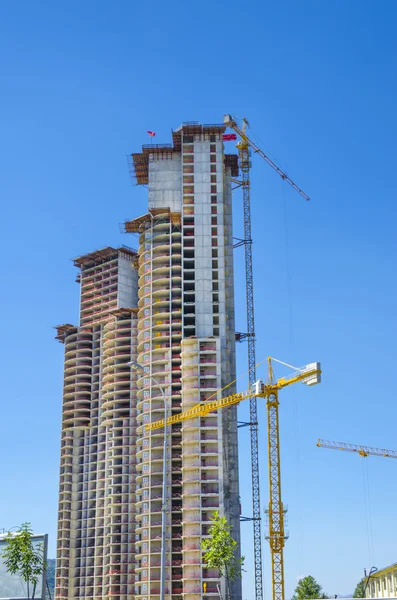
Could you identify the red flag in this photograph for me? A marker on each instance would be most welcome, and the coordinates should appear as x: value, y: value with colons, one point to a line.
x: 151, y: 133
x: 228, y: 137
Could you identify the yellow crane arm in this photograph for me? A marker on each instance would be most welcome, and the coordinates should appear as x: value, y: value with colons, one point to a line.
x: 230, y: 122
x: 361, y: 450
x: 309, y: 375
x: 200, y: 410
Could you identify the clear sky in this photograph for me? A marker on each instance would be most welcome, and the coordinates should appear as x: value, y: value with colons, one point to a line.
x: 80, y: 83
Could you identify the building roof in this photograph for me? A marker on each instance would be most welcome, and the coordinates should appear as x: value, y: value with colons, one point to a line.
x: 385, y: 569
x: 100, y: 256
x: 139, y: 163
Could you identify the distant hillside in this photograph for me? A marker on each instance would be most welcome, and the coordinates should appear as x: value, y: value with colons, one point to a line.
x: 51, y: 578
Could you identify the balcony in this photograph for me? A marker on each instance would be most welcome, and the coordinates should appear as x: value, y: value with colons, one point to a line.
x: 210, y: 502
x: 209, y: 436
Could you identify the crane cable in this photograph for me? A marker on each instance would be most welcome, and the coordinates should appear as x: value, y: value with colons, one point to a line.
x: 291, y: 324
x: 367, y: 508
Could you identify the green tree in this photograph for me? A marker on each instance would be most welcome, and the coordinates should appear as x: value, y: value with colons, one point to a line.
x: 21, y: 556
x: 220, y: 551
x: 308, y: 588
x: 359, y: 591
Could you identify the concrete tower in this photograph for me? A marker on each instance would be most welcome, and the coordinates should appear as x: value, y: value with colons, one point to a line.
x: 169, y: 306
x: 186, y: 341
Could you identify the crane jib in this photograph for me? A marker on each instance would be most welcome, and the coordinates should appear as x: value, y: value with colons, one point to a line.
x: 309, y: 375
x: 230, y: 122
x: 361, y: 450
x: 259, y: 390
x: 201, y: 410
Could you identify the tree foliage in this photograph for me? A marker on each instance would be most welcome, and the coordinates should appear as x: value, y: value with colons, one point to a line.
x: 359, y: 591
x: 21, y: 556
x: 220, y: 550
x: 308, y: 588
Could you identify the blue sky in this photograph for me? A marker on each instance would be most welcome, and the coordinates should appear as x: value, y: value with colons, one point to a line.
x: 80, y: 84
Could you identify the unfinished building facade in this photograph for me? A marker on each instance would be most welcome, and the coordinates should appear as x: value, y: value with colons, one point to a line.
x: 96, y: 517
x: 170, y: 307
x: 186, y: 342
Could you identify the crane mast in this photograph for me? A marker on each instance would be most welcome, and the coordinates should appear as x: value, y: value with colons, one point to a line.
x: 245, y: 165
x: 277, y: 534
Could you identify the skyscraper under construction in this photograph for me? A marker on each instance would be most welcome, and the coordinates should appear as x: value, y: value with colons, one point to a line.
x: 169, y: 305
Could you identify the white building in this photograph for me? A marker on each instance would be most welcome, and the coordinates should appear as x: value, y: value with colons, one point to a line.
x: 383, y: 583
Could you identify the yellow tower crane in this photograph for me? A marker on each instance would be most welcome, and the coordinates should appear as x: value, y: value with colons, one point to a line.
x: 309, y: 375
x: 361, y: 450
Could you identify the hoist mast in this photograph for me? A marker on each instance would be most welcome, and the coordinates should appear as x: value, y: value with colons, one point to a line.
x: 245, y: 165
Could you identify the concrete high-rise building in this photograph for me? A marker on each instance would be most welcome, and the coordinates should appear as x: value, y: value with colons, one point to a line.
x: 96, y: 520
x: 170, y: 306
